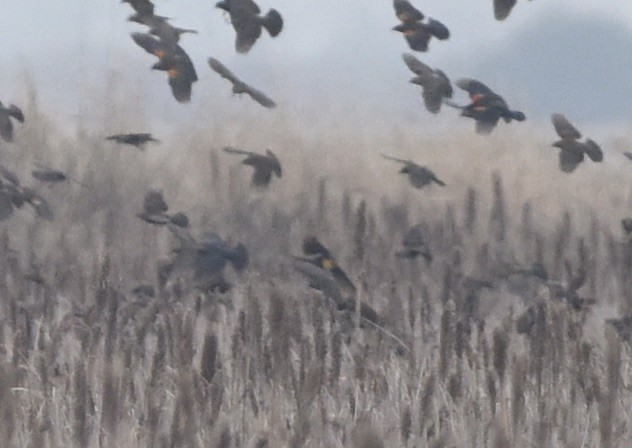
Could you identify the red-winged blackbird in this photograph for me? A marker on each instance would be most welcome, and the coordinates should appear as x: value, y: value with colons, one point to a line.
x: 239, y: 86
x: 571, y: 149
x: 502, y: 8
x: 415, y: 244
x: 155, y: 211
x: 6, y: 126
x: 417, y: 33
x: 135, y: 139
x: 487, y: 107
x: 434, y: 83
x: 264, y: 165
x: 180, y: 70
x: 247, y: 22
x: 419, y: 176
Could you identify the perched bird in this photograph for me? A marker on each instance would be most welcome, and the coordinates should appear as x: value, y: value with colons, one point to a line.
x: 138, y: 140
x: 320, y: 256
x: 173, y: 60
x: 264, y: 165
x: 6, y: 126
x: 417, y: 33
x: 239, y: 86
x: 434, y: 83
x: 19, y: 195
x: 155, y: 211
x: 486, y: 107
x: 571, y: 149
x: 206, y: 260
x: 415, y: 244
x: 419, y: 176
x: 247, y: 22
x: 502, y: 8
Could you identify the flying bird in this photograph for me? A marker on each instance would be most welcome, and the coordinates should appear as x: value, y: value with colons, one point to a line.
x: 14, y: 195
x: 173, y: 60
x: 502, y: 8
x: 6, y: 126
x: 486, y: 107
x: 419, y: 176
x: 134, y: 139
x: 417, y: 33
x: 239, y: 86
x: 264, y: 165
x: 155, y: 211
x: 414, y: 244
x: 571, y: 149
x: 434, y: 83
x: 628, y: 154
x: 247, y: 21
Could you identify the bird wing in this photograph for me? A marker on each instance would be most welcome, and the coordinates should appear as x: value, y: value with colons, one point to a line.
x: 593, y: 150
x: 502, y: 8
x: 486, y: 126
x: 405, y: 162
x: 275, y: 163
x: 628, y: 154
x: 474, y: 87
x: 406, y: 12
x: 564, y: 128
x: 231, y: 150
x: 569, y: 159
x: 259, y: 97
x: 262, y: 175
x: 320, y: 279
x: 181, y: 83
x: 247, y: 24
x: 220, y: 68
x: 16, y: 113
x: 6, y: 127
x: 150, y: 44
x: 417, y: 67
x: 438, y: 29
x: 6, y: 204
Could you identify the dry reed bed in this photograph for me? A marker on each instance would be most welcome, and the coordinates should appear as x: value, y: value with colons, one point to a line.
x: 85, y: 363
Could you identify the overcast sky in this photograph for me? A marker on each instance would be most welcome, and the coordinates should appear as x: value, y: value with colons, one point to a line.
x: 333, y: 56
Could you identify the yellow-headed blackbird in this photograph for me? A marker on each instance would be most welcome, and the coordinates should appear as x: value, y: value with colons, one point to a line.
x: 239, y: 86
x: 486, y: 107
x: 320, y: 256
x: 434, y: 83
x: 264, y: 165
x: 247, y: 21
x: 571, y: 149
x: 6, y: 126
x: 173, y: 60
x: 417, y: 33
x: 419, y: 176
x: 135, y: 139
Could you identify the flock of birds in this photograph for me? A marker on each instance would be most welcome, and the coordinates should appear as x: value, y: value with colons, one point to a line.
x: 204, y: 260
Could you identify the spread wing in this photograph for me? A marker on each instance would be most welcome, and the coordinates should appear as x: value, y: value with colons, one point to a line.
x: 502, y: 8
x: 593, y: 151
x: 6, y: 127
x: 405, y: 162
x: 564, y: 128
x: 220, y: 68
x: 259, y: 97
x: 474, y: 87
x: 417, y: 67
x: 231, y: 150
x: 150, y: 44
x: 406, y: 12
x: 275, y: 163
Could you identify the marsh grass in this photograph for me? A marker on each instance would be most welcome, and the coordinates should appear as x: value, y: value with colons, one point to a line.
x: 85, y: 363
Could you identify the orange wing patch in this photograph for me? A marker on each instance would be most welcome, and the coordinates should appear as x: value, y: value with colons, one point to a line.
x: 173, y: 73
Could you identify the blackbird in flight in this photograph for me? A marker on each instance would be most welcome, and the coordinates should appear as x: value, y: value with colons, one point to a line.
x: 247, y: 21
x: 264, y: 165
x: 419, y: 176
x: 239, y: 86
x: 571, y: 149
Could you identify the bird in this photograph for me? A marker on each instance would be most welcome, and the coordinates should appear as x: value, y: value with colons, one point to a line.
x: 502, y: 8
x: 155, y: 211
x: 320, y: 256
x: 415, y: 244
x: 626, y: 224
x: 13, y: 195
x: 247, y: 22
x: 173, y: 60
x: 419, y: 176
x: 239, y: 86
x: 6, y: 126
x: 264, y: 165
x: 628, y: 154
x: 205, y: 260
x: 434, y: 83
x: 486, y: 107
x: 571, y: 149
x: 49, y: 175
x: 138, y: 140
x: 142, y: 7
x: 417, y: 33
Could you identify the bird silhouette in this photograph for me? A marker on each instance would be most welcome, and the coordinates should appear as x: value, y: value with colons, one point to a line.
x: 571, y: 149
x: 138, y: 140
x: 239, y: 86
x: 264, y: 165
x: 6, y: 126
x: 247, y: 21
x: 434, y: 83
x: 419, y: 176
x: 416, y: 32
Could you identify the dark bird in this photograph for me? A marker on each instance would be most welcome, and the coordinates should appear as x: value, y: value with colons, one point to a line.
x: 13, y: 195
x: 135, y: 139
x: 628, y: 154
x: 626, y: 224
x: 142, y: 7
x: 571, y: 149
x: 247, y: 21
x: 264, y: 165
x: 206, y: 260
x: 320, y: 256
x: 417, y: 33
x: 6, y: 126
x: 486, y: 107
x: 419, y: 176
x: 173, y: 60
x: 502, y: 8
x: 155, y: 211
x: 49, y: 176
x: 167, y: 33
x: 239, y: 86
x: 415, y: 244
x: 434, y: 83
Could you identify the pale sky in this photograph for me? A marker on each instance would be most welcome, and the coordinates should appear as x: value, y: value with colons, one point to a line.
x: 570, y: 56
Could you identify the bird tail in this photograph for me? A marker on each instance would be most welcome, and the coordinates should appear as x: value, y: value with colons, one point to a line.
x: 273, y: 22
